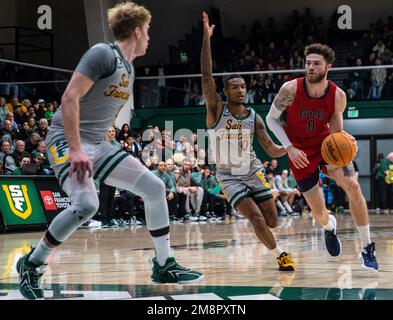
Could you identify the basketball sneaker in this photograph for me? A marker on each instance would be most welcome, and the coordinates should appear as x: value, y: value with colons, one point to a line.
x: 29, y: 277
x: 285, y: 262
x: 173, y: 272
x: 368, y: 259
x: 333, y: 243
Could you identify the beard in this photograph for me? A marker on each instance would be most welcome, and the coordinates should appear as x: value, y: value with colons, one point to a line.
x: 316, y: 78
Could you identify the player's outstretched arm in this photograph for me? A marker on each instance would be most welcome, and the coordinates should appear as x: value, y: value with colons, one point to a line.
x: 78, y: 86
x: 213, y: 100
x: 266, y: 142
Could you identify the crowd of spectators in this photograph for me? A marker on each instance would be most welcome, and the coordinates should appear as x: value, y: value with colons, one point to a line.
x: 270, y: 46
x: 23, y: 129
x: 192, y: 190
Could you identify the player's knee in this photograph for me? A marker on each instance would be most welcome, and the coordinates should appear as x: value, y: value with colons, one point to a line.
x: 258, y: 221
x: 353, y: 188
x: 87, y: 206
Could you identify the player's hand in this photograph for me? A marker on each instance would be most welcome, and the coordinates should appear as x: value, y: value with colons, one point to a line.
x: 207, y: 29
x: 353, y: 140
x: 298, y: 157
x: 80, y: 163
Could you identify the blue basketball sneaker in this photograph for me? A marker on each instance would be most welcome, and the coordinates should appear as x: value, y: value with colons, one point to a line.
x: 368, y: 259
x: 333, y: 243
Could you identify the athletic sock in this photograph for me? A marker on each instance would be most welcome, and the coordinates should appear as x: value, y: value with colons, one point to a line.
x: 276, y: 251
x: 279, y: 205
x: 288, y: 207
x: 41, y: 253
x: 163, y: 248
x: 329, y: 226
x: 364, y: 232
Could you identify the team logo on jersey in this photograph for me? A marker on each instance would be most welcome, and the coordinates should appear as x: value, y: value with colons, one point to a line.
x: 18, y: 200
x: 60, y: 152
x: 305, y: 113
x: 114, y: 89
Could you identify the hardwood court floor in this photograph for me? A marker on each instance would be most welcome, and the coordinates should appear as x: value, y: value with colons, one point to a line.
x: 114, y: 263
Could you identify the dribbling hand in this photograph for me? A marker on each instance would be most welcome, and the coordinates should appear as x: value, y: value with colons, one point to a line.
x: 298, y: 157
x: 207, y: 29
x: 353, y: 140
x: 80, y: 163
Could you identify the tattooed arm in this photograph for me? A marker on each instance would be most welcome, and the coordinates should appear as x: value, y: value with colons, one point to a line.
x: 213, y: 101
x: 282, y: 101
x: 266, y: 142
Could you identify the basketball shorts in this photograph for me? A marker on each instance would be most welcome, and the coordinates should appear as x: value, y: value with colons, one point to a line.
x: 308, y: 177
x: 105, y: 158
x: 237, y: 188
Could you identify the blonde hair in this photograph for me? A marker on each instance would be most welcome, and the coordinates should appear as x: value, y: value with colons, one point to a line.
x: 125, y: 17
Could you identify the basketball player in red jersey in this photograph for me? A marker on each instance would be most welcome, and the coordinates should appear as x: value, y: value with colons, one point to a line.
x: 312, y: 107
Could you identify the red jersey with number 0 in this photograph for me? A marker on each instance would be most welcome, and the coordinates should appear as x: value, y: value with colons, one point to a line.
x: 306, y: 124
x: 306, y: 119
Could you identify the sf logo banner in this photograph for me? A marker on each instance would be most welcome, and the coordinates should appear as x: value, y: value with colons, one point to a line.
x: 18, y: 200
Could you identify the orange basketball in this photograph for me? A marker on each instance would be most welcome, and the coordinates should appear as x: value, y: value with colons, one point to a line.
x: 338, y: 149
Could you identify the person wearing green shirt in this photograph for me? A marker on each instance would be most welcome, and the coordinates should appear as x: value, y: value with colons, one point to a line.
x: 385, y: 173
x: 19, y: 170
x: 171, y: 194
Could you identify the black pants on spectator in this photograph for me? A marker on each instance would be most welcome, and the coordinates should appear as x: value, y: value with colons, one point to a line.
x: 107, y: 205
x: 172, y: 204
x: 181, y: 210
x: 383, y: 190
x: 126, y: 205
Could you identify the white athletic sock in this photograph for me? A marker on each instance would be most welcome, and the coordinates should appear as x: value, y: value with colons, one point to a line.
x: 163, y: 248
x: 329, y: 226
x: 41, y: 253
x: 364, y: 232
x: 276, y: 251
x: 288, y: 207
x: 279, y: 205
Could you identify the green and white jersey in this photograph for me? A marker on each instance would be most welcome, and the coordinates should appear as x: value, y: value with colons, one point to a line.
x: 231, y: 144
x: 109, y: 101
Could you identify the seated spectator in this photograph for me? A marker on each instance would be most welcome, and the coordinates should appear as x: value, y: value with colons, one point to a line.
x: 358, y: 80
x: 19, y: 116
x: 282, y: 212
x: 124, y: 133
x: 14, y: 103
x: 50, y: 111
x: 10, y: 117
x: 171, y: 194
x: 3, y: 109
x: 6, y: 159
x: 193, y: 193
x: 32, y: 142
x: 39, y: 159
x: 9, y: 131
x: 20, y: 152
x: 273, y: 167
x: 378, y: 79
x: 21, y: 169
x: 25, y: 131
x: 43, y: 128
x: 32, y: 124
x: 287, y: 194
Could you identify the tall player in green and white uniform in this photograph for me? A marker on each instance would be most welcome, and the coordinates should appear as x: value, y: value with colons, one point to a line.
x: 100, y: 88
x: 232, y: 127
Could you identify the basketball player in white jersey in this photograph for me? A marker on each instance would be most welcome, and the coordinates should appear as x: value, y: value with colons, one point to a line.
x: 100, y: 87
x: 232, y: 128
